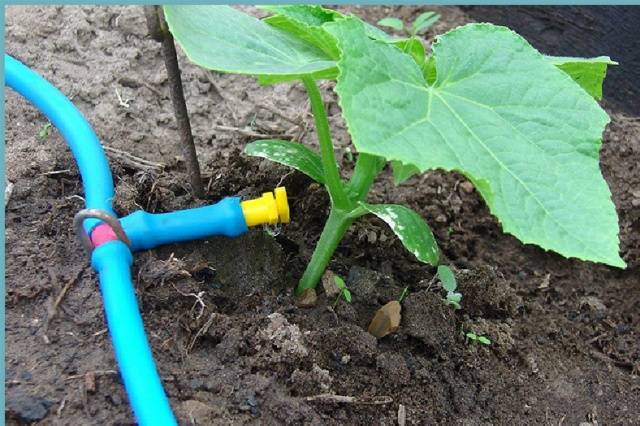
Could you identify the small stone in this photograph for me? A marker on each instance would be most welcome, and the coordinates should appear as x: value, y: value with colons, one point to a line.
x: 386, y: 320
x: 593, y: 303
x: 27, y: 408
x: 402, y: 415
x: 307, y: 299
x: 441, y: 218
x: 198, y: 412
x: 329, y: 285
x: 467, y: 187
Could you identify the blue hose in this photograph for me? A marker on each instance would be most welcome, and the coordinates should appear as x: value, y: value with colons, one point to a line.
x: 84, y: 144
x: 112, y: 260
x: 148, y: 230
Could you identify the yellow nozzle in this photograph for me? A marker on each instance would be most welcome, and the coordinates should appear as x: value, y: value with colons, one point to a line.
x: 267, y: 209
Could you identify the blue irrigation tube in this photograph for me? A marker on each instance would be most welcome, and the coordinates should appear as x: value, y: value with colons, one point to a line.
x: 149, y: 230
x: 84, y: 144
x: 112, y: 260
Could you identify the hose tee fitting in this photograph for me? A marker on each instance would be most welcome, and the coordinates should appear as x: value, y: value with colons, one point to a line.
x: 269, y: 209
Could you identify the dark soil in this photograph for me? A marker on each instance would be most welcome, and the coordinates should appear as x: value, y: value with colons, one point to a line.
x: 230, y: 344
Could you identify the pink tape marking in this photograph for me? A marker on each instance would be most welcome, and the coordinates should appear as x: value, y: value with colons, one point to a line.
x: 102, y: 234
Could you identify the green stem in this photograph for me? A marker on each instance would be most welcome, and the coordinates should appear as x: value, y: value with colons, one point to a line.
x: 367, y: 168
x: 331, y: 174
x: 335, y: 228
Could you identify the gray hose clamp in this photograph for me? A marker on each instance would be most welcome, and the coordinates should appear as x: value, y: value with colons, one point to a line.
x: 102, y: 215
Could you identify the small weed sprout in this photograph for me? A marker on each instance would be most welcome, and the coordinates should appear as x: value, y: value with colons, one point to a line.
x: 344, y: 291
x: 44, y: 131
x: 419, y: 26
x: 475, y: 338
x: 449, y: 283
x: 403, y: 295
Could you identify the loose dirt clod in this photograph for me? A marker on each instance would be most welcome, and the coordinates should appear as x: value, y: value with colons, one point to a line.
x: 386, y: 320
x: 307, y: 299
x: 329, y: 285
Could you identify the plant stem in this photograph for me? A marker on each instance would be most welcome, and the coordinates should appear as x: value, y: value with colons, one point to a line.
x: 334, y: 229
x: 367, y: 168
x: 159, y: 32
x: 332, y: 176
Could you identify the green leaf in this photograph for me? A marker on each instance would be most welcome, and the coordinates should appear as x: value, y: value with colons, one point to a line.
x: 589, y: 73
x: 429, y: 71
x: 455, y: 304
x: 394, y: 23
x: 224, y: 39
x: 339, y: 282
x: 305, y: 22
x: 499, y: 113
x: 454, y: 297
x: 413, y: 47
x: 347, y: 295
x: 484, y: 340
x: 447, y: 278
x: 424, y: 21
x: 402, y: 172
x: 410, y: 228
x: 290, y: 154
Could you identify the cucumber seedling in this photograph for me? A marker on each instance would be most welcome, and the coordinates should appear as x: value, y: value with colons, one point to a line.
x: 421, y: 24
x: 475, y: 338
x: 449, y: 283
x: 344, y: 291
x: 524, y: 128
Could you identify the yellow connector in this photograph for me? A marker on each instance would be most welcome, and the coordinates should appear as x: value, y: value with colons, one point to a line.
x: 267, y: 209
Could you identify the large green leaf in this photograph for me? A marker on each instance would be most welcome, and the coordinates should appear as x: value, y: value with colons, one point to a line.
x: 290, y: 154
x: 411, y: 229
x: 224, y: 39
x: 587, y: 72
x: 305, y: 22
x: 519, y: 128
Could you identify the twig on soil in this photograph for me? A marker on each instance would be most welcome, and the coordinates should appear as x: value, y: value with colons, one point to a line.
x: 277, y: 113
x: 123, y: 102
x: 8, y: 190
x: 200, y: 332
x: 250, y: 133
x: 133, y: 161
x: 402, y: 415
x: 433, y: 280
x: 284, y: 177
x: 99, y: 333
x: 97, y: 373
x: 52, y: 305
x: 607, y: 359
x: 198, y: 301
x: 55, y: 172
x: 74, y: 197
x: 61, y: 407
x: 342, y: 399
